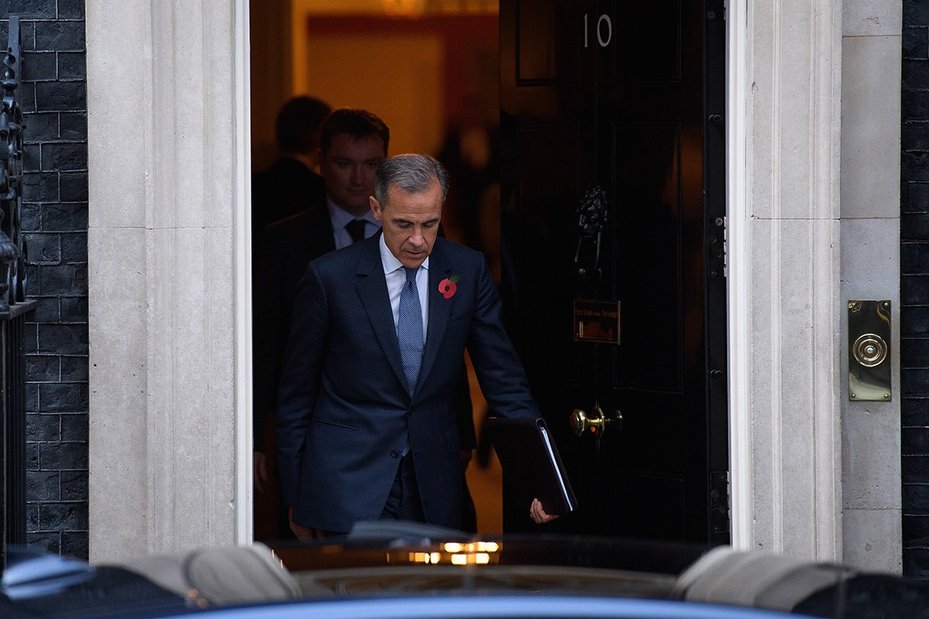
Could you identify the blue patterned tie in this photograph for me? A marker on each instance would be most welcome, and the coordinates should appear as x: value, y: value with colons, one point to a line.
x: 410, y: 330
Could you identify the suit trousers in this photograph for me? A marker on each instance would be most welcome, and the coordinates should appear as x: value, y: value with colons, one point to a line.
x: 403, y: 502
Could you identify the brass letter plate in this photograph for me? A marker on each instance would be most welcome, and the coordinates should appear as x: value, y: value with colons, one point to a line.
x: 596, y: 321
x: 869, y: 357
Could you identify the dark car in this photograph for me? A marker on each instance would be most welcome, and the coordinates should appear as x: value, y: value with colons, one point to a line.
x: 395, y: 570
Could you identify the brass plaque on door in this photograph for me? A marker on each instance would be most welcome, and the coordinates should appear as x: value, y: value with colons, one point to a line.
x: 596, y: 321
x: 869, y: 357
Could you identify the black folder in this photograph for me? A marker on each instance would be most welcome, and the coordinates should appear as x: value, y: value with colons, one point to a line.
x: 531, y: 464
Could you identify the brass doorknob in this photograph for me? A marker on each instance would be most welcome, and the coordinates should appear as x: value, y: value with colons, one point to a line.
x: 594, y: 422
x: 579, y: 422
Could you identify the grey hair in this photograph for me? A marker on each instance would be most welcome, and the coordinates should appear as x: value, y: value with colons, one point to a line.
x: 411, y: 173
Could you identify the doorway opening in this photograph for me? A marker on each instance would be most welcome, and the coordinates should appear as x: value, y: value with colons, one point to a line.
x: 590, y: 100
x: 429, y: 69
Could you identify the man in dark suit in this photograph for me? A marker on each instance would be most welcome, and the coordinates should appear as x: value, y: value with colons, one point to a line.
x: 352, y: 144
x: 366, y: 422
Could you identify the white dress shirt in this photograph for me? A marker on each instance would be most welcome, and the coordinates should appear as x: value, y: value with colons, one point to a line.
x: 339, y: 217
x: 396, y: 280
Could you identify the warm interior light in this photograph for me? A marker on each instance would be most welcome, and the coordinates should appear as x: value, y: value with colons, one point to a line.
x: 428, y: 558
x: 472, y: 547
x: 451, y: 553
x: 407, y: 8
x: 470, y: 558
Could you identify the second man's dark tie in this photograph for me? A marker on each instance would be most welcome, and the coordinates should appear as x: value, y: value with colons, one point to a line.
x: 356, y: 228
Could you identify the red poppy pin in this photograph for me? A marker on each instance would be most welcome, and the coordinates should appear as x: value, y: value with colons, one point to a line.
x: 449, y: 286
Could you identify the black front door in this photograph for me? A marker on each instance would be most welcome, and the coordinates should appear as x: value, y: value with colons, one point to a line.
x: 613, y: 224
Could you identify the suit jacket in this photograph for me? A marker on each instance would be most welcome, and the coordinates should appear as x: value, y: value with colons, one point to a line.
x: 286, y: 248
x: 283, y: 189
x: 344, y: 415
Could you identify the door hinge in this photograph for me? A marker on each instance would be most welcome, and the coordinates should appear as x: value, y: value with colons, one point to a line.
x: 717, y: 261
x: 713, y: 13
x: 719, y: 506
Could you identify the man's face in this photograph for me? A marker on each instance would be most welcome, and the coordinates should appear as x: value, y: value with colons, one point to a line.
x: 348, y: 170
x: 410, y: 222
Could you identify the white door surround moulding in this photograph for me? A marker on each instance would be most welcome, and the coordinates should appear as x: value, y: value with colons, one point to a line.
x: 784, y: 103
x: 169, y: 287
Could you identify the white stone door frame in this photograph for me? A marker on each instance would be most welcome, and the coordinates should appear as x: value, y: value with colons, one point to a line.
x: 169, y: 275
x: 813, y: 221
x: 738, y: 306
x: 784, y: 100
x: 244, y: 515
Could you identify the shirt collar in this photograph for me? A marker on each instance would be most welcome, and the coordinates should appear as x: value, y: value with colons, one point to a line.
x: 339, y: 216
x: 389, y: 261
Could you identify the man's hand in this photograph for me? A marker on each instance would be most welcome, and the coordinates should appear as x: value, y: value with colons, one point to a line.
x: 303, y: 533
x: 537, y: 513
x: 260, y: 466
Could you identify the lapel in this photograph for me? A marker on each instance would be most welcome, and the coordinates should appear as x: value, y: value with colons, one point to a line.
x: 372, y: 290
x: 439, y: 310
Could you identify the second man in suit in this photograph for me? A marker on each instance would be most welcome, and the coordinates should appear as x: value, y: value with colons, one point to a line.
x: 352, y: 144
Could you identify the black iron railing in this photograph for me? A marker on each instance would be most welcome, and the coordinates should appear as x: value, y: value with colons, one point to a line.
x: 13, y: 303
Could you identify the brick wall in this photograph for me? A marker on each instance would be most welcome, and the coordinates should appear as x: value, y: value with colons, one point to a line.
x: 914, y: 287
x: 55, y: 221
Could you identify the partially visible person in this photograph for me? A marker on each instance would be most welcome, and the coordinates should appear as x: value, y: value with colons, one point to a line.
x: 289, y: 185
x: 367, y: 425
x: 470, y: 153
x: 348, y: 145
x: 292, y: 182
x: 352, y: 144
